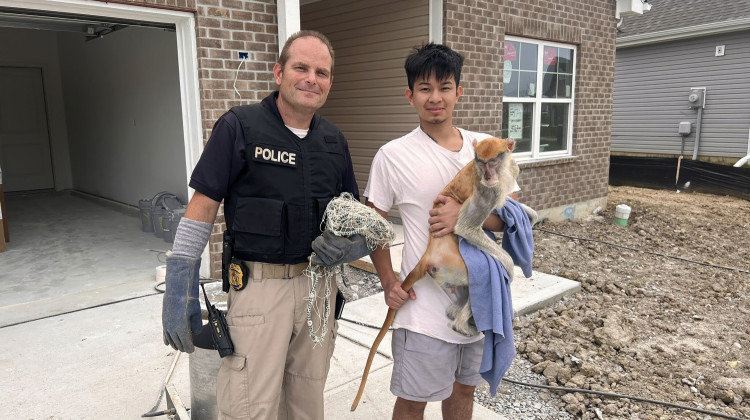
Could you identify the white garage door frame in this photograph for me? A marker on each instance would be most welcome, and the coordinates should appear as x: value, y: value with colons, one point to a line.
x: 187, y: 55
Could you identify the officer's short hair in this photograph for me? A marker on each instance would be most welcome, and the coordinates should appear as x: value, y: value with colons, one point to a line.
x: 433, y: 58
x: 284, y: 56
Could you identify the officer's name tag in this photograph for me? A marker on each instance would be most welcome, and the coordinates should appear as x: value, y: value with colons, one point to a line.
x: 279, y: 157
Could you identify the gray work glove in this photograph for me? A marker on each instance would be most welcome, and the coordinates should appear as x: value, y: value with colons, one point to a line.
x: 181, y: 310
x: 333, y: 250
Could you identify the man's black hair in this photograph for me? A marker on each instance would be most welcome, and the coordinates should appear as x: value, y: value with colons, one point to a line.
x: 433, y: 58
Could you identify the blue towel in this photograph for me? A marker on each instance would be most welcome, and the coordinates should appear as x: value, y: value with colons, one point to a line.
x: 489, y: 291
x: 518, y: 241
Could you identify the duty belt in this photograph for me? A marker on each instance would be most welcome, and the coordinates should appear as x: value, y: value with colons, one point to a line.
x: 259, y: 270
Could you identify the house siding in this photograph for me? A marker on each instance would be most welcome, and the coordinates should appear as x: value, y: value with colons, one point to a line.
x: 371, y: 41
x: 652, y: 84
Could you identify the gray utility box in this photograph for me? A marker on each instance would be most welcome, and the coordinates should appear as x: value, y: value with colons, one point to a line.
x: 686, y: 127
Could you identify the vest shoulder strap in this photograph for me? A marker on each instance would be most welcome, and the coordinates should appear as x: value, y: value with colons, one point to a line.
x: 250, y: 116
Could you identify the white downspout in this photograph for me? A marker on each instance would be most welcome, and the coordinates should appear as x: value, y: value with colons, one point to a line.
x: 436, y: 21
x: 288, y: 19
x: 745, y: 159
x: 698, y: 133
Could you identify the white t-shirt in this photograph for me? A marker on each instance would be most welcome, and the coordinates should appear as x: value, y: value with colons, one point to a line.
x: 409, y: 173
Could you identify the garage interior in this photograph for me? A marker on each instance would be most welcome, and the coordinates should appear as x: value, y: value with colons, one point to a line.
x: 90, y: 123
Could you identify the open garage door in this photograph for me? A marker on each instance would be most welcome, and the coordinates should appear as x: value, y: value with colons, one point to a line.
x: 90, y: 104
x: 119, y: 98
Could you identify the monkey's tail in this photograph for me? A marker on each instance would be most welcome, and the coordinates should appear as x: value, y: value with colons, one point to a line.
x: 417, y: 273
x: 384, y: 329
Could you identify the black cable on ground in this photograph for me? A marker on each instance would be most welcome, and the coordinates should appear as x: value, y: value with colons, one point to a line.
x: 645, y: 252
x: 367, y: 346
x: 611, y: 395
x: 156, y: 288
x: 78, y: 310
x: 159, y: 255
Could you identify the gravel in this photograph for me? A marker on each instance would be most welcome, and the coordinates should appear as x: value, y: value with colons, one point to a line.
x: 519, y: 402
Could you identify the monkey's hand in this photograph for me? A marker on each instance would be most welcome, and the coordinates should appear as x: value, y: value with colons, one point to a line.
x: 443, y: 216
x: 395, y: 296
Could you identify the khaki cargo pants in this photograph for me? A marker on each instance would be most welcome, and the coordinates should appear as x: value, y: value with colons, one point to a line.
x: 275, y: 371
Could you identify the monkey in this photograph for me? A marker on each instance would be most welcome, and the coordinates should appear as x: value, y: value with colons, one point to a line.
x: 480, y: 187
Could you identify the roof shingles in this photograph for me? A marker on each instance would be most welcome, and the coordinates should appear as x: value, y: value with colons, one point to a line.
x: 673, y: 14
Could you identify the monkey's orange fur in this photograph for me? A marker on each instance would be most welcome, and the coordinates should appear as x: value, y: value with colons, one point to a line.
x: 442, y: 257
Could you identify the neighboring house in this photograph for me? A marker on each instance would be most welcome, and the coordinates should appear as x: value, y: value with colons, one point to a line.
x: 123, y: 94
x: 679, y: 47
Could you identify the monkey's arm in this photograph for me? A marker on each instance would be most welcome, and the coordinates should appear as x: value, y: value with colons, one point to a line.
x: 494, y: 223
x: 395, y: 296
x: 443, y: 219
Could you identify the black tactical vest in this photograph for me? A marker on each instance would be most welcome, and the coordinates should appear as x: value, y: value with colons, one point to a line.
x: 275, y: 208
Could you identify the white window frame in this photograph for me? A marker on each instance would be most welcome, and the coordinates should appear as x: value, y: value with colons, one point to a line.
x: 535, y: 154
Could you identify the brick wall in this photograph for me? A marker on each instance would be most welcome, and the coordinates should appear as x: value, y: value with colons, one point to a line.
x: 477, y: 28
x: 226, y: 27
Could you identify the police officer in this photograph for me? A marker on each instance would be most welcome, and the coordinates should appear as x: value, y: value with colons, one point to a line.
x: 276, y: 165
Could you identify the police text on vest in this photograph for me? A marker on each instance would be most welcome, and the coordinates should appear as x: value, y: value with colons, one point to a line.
x: 275, y: 156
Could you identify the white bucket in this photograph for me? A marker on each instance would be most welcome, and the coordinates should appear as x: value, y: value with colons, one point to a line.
x: 622, y: 213
x: 161, y: 273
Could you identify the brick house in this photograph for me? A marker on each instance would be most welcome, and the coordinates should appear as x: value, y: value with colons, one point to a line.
x: 154, y: 75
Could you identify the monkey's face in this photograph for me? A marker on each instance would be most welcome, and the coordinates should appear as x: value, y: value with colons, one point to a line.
x: 492, y: 156
x: 489, y: 170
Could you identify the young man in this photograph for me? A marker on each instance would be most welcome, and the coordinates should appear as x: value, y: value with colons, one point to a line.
x: 276, y: 165
x: 431, y: 361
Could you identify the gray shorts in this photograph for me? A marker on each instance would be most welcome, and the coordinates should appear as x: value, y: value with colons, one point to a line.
x: 425, y: 368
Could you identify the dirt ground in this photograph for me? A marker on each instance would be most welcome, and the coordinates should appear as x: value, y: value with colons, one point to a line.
x: 646, y: 325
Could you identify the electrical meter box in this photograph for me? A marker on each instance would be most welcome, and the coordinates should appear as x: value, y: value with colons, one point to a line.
x: 685, y: 128
x: 697, y: 97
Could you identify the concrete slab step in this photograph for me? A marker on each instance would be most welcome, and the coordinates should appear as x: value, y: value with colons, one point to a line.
x: 529, y: 294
